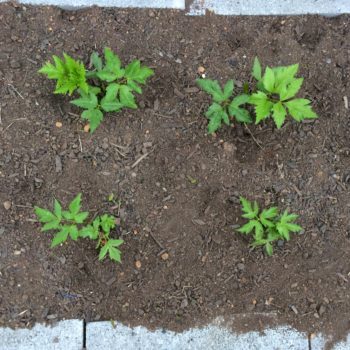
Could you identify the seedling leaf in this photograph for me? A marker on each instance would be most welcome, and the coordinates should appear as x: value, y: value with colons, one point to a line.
x: 94, y: 116
x: 257, y: 69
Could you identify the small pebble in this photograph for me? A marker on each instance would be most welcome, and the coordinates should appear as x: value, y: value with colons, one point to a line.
x: 7, y: 205
x: 165, y: 256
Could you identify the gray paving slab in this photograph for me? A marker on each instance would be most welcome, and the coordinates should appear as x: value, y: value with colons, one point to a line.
x: 102, y: 335
x: 65, y: 335
x: 319, y: 343
x: 270, y: 7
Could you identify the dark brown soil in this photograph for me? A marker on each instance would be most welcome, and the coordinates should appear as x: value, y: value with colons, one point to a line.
x: 210, y: 270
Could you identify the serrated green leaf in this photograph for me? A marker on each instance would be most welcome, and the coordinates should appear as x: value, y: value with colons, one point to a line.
x: 246, y: 205
x: 144, y: 74
x: 290, y: 90
x: 73, y: 232
x: 53, y: 72
x: 300, y: 109
x: 248, y: 227
x: 250, y: 210
x: 112, y: 70
x: 228, y: 89
x: 111, y: 106
x: 269, y: 249
x: 286, y: 217
x: 113, y: 62
x: 110, y: 103
x: 107, y: 223
x: 269, y: 213
x: 257, y: 69
x: 107, y: 75
x: 67, y: 215
x: 80, y: 217
x: 114, y: 254
x: 94, y: 90
x: 69, y: 73
x: 44, y: 215
x: 278, y: 114
x: 60, y: 237
x: 257, y: 98
x: 96, y: 61
x: 241, y: 115
x: 225, y: 118
x: 285, y: 75
x: 269, y: 79
x: 57, y: 209
x: 103, y: 252
x: 259, y: 243
x: 239, y: 100
x: 255, y: 208
x: 135, y: 72
x: 259, y: 231
x: 214, y: 122
x: 126, y: 97
x: 94, y: 116
x: 273, y: 234
x: 286, y: 225
x: 132, y: 69
x: 213, y: 88
x: 74, y: 205
x: 213, y: 109
x: 293, y: 227
x: 133, y: 86
x: 262, y: 105
x: 86, y: 101
x: 116, y: 242
x: 89, y: 232
x: 52, y: 225
x: 283, y: 231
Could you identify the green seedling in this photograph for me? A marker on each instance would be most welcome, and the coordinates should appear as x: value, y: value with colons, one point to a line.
x: 71, y: 224
x: 107, y: 88
x: 224, y: 107
x: 267, y: 226
x: 275, y: 95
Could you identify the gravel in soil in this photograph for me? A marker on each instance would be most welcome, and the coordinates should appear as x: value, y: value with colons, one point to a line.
x: 183, y: 264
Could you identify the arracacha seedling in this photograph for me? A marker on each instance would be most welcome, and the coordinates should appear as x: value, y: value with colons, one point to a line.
x: 106, y: 88
x: 268, y: 225
x: 275, y: 95
x: 224, y: 107
x: 71, y: 224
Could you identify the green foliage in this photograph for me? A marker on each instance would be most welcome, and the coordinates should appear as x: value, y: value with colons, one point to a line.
x: 71, y: 224
x: 275, y: 96
x: 69, y: 73
x: 268, y: 225
x: 224, y: 106
x: 111, y: 87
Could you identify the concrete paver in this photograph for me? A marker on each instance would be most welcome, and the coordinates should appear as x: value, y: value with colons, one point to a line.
x: 65, y: 335
x: 102, y: 335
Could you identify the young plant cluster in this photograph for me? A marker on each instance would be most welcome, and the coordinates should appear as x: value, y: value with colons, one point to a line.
x: 274, y: 96
x: 268, y: 225
x: 72, y: 224
x: 108, y: 87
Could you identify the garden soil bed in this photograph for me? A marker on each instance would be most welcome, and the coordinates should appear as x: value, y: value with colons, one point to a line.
x: 182, y: 198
